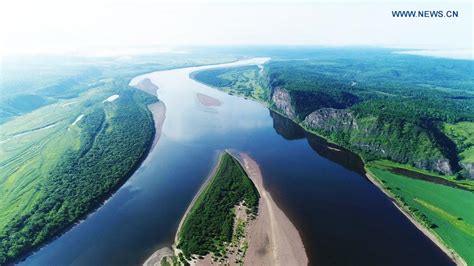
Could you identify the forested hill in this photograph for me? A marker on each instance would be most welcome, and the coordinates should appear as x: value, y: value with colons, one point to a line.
x: 377, y: 103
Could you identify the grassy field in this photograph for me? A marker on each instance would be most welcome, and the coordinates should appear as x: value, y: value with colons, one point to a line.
x: 447, y: 211
x: 31, y: 147
x: 63, y: 147
x: 210, y: 222
x: 462, y: 134
x: 244, y: 81
x: 386, y: 164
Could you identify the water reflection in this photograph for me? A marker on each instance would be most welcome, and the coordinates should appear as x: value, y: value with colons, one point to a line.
x: 288, y: 129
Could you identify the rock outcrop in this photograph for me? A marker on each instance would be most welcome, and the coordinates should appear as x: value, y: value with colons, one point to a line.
x: 281, y: 98
x: 469, y: 168
x: 330, y: 119
x: 373, y: 140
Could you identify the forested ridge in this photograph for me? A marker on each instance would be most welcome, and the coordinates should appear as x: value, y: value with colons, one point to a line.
x: 115, y: 137
x: 377, y: 103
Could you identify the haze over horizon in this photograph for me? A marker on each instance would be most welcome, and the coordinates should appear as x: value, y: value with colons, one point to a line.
x: 55, y: 26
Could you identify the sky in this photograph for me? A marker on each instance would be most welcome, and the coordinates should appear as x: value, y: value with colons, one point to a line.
x: 62, y: 26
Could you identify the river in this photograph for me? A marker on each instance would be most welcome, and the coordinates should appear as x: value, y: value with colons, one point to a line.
x: 342, y: 217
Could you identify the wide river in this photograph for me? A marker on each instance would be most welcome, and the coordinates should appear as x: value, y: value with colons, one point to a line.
x: 342, y: 217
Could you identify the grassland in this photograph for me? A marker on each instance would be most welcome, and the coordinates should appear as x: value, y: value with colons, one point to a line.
x: 209, y: 225
x: 53, y: 171
x: 462, y: 134
x: 446, y: 211
x: 243, y: 81
x: 63, y: 147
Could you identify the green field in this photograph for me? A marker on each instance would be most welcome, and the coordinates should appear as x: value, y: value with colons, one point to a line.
x: 462, y: 134
x: 52, y: 175
x: 243, y: 81
x: 210, y: 222
x: 447, y: 211
x: 63, y: 147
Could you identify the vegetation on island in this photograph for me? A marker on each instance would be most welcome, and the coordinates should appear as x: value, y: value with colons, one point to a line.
x: 409, y: 117
x: 209, y: 225
x: 64, y: 148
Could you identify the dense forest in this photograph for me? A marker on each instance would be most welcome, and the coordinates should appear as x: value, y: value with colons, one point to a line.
x: 378, y: 103
x: 210, y: 221
x: 114, y: 139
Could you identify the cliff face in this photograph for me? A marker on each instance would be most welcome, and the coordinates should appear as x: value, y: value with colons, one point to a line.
x: 469, y: 168
x: 281, y: 98
x: 373, y: 140
x: 332, y: 120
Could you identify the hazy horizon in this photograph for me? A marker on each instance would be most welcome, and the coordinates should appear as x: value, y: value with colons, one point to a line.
x: 94, y: 27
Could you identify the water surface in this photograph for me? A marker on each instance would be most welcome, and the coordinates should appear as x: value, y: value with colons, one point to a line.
x: 342, y: 218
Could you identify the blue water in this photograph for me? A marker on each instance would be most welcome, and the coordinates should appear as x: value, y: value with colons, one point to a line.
x: 342, y: 218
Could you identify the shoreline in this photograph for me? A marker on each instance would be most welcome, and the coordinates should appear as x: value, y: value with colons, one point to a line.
x: 456, y: 258
x: 155, y: 258
x: 452, y: 254
x: 272, y: 238
x: 280, y: 242
x: 196, y: 196
x: 157, y: 109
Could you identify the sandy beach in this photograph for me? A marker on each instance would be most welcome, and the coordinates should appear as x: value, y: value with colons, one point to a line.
x: 158, y: 109
x: 451, y: 253
x: 147, y: 86
x: 207, y: 100
x: 273, y: 239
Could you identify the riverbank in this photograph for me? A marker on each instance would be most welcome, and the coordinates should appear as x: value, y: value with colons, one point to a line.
x: 157, y: 256
x: 427, y: 232
x: 270, y: 238
x: 273, y: 239
x: 158, y: 109
x: 436, y: 240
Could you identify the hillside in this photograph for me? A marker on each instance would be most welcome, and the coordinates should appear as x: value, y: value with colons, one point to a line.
x: 380, y: 105
x: 410, y: 118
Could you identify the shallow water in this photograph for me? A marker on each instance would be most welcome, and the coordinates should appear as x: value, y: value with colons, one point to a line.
x: 342, y: 218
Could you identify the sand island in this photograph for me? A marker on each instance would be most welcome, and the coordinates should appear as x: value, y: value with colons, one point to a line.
x: 233, y: 220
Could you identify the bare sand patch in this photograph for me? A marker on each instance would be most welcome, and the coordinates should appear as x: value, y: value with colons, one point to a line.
x: 272, y: 238
x: 147, y: 86
x: 158, y: 109
x: 155, y: 258
x: 207, y: 100
x: 111, y: 98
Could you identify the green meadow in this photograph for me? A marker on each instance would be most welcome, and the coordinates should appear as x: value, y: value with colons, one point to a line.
x: 446, y: 211
x: 64, y: 148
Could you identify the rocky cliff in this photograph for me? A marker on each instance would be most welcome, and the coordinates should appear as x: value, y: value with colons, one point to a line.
x: 282, y: 101
x: 375, y: 139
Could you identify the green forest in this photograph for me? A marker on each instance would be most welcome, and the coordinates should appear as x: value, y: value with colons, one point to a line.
x: 410, y: 118
x: 64, y: 147
x: 114, y: 139
x: 209, y: 224
x: 398, y: 105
